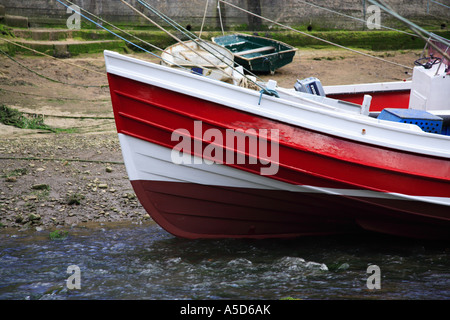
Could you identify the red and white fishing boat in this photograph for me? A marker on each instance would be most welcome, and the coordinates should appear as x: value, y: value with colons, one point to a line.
x: 209, y: 159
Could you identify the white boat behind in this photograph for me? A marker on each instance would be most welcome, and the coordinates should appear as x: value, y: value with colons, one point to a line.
x: 201, y: 57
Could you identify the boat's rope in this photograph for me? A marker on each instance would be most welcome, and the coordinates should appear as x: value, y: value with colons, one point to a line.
x: 441, y: 4
x: 49, y: 56
x: 143, y: 49
x: 124, y: 39
x: 53, y: 97
x: 48, y: 78
x: 45, y: 115
x: 184, y: 31
x: 412, y: 25
x: 173, y: 36
x: 418, y: 30
x: 117, y: 28
x: 137, y: 38
x: 60, y: 160
x: 314, y: 37
x: 204, y: 18
x: 203, y: 44
x: 220, y: 17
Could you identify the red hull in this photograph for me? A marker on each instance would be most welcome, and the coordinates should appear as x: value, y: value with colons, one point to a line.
x: 307, y: 158
x: 201, y: 211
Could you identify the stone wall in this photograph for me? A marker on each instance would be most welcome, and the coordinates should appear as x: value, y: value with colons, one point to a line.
x: 292, y: 12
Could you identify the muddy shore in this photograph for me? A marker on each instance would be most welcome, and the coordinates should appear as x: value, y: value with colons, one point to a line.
x: 76, y: 175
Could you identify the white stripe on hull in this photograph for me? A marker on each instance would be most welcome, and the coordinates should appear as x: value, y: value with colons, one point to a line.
x: 148, y: 161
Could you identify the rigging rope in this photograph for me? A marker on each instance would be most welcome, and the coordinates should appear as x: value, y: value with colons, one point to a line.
x: 418, y: 30
x: 49, y: 56
x: 137, y: 38
x: 220, y: 17
x: 56, y: 98
x: 117, y: 28
x: 45, y: 77
x: 99, y: 25
x: 187, y: 33
x: 173, y: 36
x: 317, y: 38
x: 60, y: 159
x: 200, y: 42
x: 441, y: 4
x: 204, y: 17
x: 351, y: 17
x: 126, y: 40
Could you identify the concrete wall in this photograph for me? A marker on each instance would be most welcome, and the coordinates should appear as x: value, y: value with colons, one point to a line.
x: 293, y: 12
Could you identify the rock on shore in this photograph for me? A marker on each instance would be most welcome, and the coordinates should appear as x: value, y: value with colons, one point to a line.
x: 69, y: 191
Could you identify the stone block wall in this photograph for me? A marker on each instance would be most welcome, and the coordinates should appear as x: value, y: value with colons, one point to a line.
x: 292, y: 12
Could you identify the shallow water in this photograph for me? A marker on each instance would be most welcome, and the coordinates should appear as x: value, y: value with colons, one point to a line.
x: 127, y: 261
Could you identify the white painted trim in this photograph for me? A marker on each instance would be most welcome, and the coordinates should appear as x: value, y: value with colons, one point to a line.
x: 368, y: 87
x: 147, y: 161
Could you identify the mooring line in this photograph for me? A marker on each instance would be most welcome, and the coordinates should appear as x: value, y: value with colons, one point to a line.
x: 314, y: 37
x: 60, y: 159
x: 49, y: 56
x: 44, y: 76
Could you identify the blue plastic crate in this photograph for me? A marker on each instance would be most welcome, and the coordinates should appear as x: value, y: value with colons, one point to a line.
x: 426, y: 121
